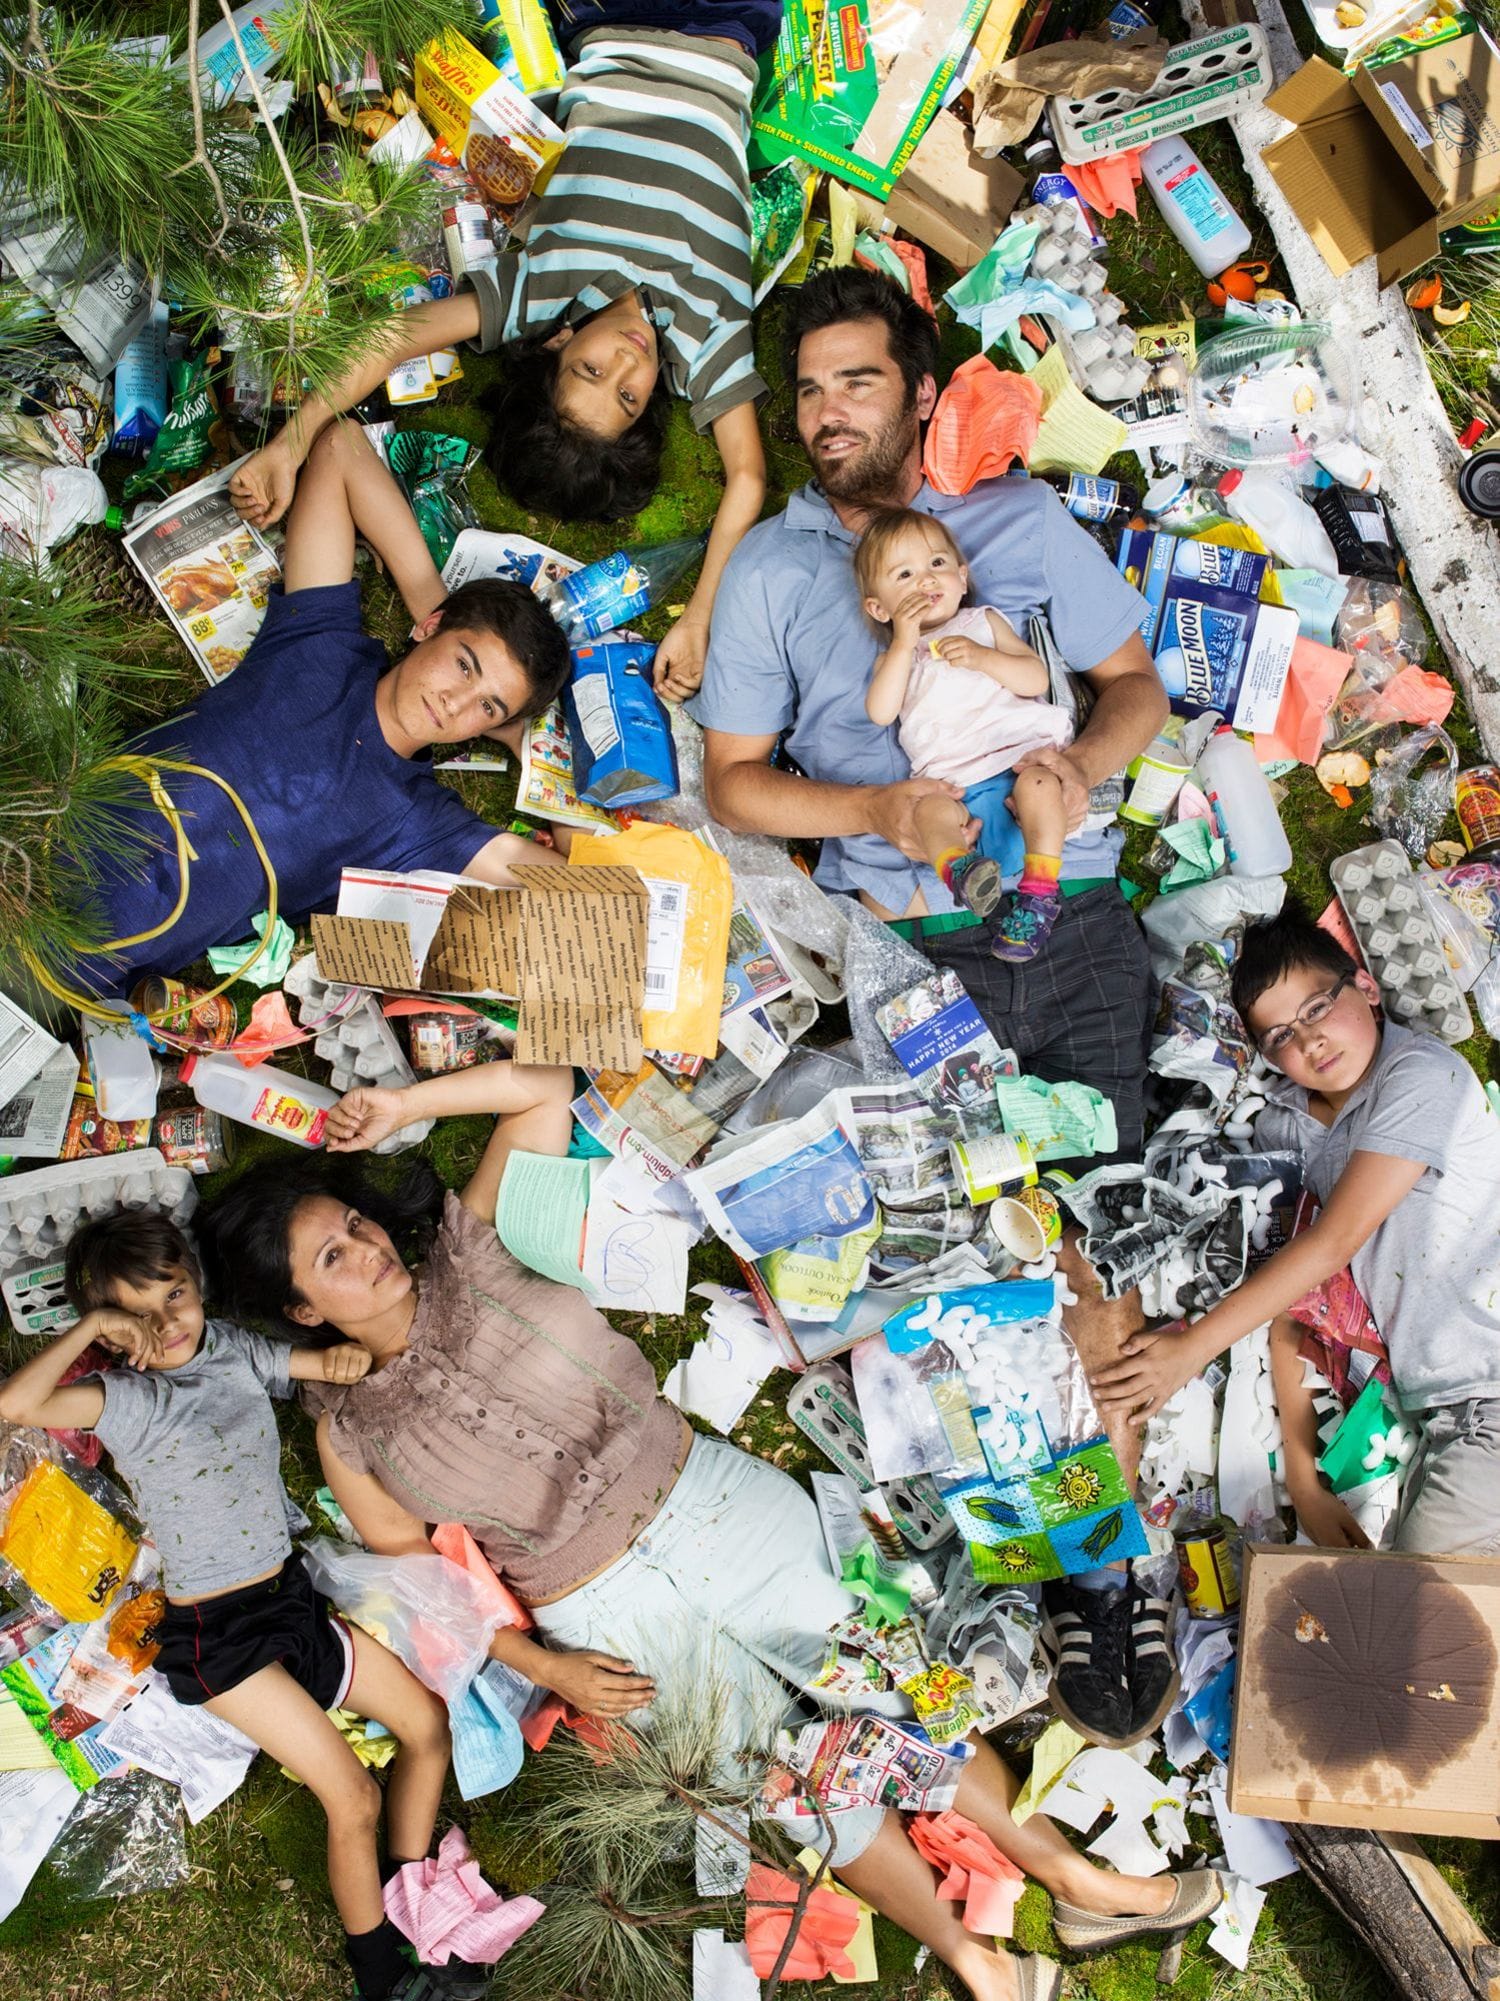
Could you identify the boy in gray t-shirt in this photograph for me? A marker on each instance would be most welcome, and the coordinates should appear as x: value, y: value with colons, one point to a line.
x: 190, y: 1427
x: 1402, y: 1151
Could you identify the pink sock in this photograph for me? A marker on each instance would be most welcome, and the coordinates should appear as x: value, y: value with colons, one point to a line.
x: 1037, y: 885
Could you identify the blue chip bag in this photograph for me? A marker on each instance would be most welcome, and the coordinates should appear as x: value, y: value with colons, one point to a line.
x: 623, y: 754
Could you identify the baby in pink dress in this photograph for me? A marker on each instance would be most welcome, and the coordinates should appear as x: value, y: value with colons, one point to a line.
x: 969, y: 695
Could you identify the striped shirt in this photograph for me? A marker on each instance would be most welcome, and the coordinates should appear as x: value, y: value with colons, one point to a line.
x: 652, y: 194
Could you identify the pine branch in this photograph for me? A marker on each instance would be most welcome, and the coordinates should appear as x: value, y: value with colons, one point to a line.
x: 199, y: 155
x: 273, y: 139
x: 324, y: 40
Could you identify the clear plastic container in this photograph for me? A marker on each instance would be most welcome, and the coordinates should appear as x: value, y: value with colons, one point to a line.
x: 124, y: 1073
x: 1230, y: 774
x: 1268, y: 395
x: 274, y: 1100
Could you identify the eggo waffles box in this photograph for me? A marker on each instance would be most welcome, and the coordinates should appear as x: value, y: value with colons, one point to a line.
x: 507, y: 145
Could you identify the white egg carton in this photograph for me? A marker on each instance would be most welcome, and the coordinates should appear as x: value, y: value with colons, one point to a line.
x: 822, y: 1404
x: 1378, y: 890
x: 35, y: 1301
x: 40, y: 1211
x: 1102, y: 358
x: 355, y: 1040
x: 1215, y: 76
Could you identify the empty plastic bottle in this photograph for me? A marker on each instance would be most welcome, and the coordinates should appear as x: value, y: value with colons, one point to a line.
x: 1194, y: 206
x: 1241, y: 798
x: 1281, y: 518
x: 605, y: 595
x: 274, y: 1100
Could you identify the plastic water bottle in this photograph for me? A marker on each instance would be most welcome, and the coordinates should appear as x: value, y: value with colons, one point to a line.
x: 124, y: 1073
x: 1194, y: 206
x: 274, y: 1100
x: 605, y: 595
x: 1241, y: 798
x: 1280, y: 517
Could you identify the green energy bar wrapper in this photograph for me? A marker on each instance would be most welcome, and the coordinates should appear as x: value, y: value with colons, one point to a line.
x: 431, y: 468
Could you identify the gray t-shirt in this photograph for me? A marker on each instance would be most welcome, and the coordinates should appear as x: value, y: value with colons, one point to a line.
x: 1431, y: 1273
x: 199, y: 1450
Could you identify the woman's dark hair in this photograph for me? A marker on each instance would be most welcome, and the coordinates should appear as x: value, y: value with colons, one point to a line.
x: 554, y: 467
x: 246, y: 1234
x: 1272, y: 947
x: 131, y: 1247
x: 517, y: 616
x: 850, y: 292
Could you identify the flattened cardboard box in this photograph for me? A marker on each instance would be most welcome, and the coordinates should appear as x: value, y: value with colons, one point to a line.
x: 1366, y: 1693
x: 951, y: 199
x: 1382, y: 161
x: 568, y: 946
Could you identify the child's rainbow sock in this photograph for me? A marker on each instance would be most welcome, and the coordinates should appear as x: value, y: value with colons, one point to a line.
x: 947, y: 861
x: 1039, y: 874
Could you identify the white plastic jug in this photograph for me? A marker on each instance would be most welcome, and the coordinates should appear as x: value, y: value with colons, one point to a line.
x: 1194, y: 206
x: 122, y: 1070
x: 1237, y: 790
x: 274, y: 1100
x: 1281, y: 518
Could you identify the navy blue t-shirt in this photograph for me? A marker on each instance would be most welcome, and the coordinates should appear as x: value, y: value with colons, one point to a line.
x: 293, y: 730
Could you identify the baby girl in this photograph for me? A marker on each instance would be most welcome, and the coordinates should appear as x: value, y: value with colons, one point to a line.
x: 968, y: 693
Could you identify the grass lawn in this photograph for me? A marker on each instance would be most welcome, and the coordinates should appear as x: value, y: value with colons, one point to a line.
x: 255, y: 1920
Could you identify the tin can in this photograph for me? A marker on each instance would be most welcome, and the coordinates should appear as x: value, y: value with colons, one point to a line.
x: 993, y: 1165
x: 1125, y: 18
x: 1476, y: 794
x: 440, y: 1042
x: 1206, y: 1571
x: 203, y: 1021
x: 195, y: 1138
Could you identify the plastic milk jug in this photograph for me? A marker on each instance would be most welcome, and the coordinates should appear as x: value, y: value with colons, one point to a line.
x: 1237, y: 790
x: 1281, y: 518
x: 274, y: 1100
x: 122, y: 1070
x: 1194, y: 206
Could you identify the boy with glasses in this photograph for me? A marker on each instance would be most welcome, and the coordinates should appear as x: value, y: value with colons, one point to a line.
x: 1402, y: 1151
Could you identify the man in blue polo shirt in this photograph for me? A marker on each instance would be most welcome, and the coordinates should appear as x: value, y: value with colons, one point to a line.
x: 790, y: 658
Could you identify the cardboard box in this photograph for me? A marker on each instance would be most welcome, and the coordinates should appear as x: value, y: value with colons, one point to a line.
x: 1382, y: 161
x: 1367, y: 1691
x: 568, y: 945
x: 508, y: 146
x: 951, y: 199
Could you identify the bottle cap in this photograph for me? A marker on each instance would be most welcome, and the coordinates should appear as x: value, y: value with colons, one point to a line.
x: 114, y: 519
x: 189, y: 1065
x: 1230, y: 480
x: 1479, y: 485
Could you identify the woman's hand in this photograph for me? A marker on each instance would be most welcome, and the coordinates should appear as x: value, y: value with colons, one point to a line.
x: 677, y: 671
x: 599, y: 1685
x: 126, y: 1334
x: 1326, y: 1518
x: 262, y: 489
x: 1153, y: 1367
x: 365, y: 1116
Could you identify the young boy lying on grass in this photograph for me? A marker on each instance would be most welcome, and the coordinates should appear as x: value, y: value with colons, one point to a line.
x: 192, y: 1432
x: 1401, y: 1149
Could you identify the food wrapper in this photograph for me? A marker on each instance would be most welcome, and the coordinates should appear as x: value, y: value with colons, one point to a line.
x: 621, y: 733
x: 132, y: 1630
x: 986, y: 419
x: 58, y: 411
x: 66, y: 1546
x: 431, y: 469
x: 181, y: 445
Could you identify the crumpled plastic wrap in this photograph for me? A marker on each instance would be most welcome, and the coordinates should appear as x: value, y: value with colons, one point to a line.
x: 1411, y: 804
x: 1206, y: 910
x: 428, y: 1611
x: 124, y: 1838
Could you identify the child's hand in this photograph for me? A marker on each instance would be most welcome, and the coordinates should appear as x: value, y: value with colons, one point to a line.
x: 1327, y: 1520
x: 345, y: 1362
x: 961, y: 652
x: 365, y: 1116
x: 126, y: 1334
x: 677, y: 670
x: 1153, y: 1367
x: 906, y: 620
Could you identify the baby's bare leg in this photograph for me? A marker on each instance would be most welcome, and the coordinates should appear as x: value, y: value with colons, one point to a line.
x: 972, y: 878
x: 1040, y: 812
x: 940, y: 825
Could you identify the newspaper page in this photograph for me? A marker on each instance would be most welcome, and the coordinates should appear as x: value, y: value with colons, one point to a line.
x: 33, y: 1122
x: 101, y: 300
x: 24, y: 1047
x: 902, y: 1142
x: 794, y: 1179
x: 212, y: 571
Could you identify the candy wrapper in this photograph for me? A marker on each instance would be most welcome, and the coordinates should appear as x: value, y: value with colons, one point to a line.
x: 431, y: 469
x: 64, y: 1545
x: 779, y: 203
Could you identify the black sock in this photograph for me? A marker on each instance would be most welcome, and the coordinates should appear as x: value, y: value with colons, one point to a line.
x: 377, y: 1961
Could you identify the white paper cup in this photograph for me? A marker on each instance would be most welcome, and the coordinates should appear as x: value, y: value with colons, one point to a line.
x: 1016, y: 1230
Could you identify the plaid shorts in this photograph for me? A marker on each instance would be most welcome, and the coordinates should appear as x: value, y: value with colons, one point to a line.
x: 1080, y: 1011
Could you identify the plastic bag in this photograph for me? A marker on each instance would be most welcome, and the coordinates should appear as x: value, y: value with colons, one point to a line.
x: 431, y: 1614
x: 1411, y: 805
x: 1375, y: 612
x: 621, y: 732
x: 123, y: 1839
x: 65, y: 1545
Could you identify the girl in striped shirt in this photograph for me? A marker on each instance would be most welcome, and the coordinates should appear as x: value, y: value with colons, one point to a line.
x: 633, y: 285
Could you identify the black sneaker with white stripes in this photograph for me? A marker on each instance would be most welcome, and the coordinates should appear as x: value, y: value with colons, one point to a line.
x: 1090, y: 1635
x: 1154, y: 1680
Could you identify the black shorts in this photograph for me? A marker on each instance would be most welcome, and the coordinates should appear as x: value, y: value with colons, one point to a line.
x: 211, y: 1647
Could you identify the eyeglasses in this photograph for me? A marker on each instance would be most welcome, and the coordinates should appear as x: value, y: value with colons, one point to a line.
x: 1276, y: 1041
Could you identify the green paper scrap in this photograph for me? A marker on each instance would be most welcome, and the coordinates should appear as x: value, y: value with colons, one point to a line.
x: 885, y: 1597
x: 1343, y: 1459
x: 270, y: 969
x: 1065, y: 1121
x: 1201, y: 854
x: 1025, y: 1559
x: 540, y: 1211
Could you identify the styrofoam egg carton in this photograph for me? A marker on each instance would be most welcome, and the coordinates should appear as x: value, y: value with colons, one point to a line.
x: 40, y: 1211
x: 1214, y: 76
x: 35, y: 1301
x: 1102, y: 358
x: 1400, y: 942
x: 355, y: 1040
x: 822, y: 1405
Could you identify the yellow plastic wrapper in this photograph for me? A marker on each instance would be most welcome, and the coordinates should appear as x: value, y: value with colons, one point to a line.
x: 687, y: 945
x: 71, y: 1551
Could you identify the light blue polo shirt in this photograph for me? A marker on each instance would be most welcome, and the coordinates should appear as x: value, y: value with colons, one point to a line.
x: 791, y: 649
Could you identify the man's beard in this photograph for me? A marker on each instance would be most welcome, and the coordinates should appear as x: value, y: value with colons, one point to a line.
x: 869, y: 477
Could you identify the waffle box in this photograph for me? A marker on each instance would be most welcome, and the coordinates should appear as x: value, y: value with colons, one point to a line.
x: 508, y: 146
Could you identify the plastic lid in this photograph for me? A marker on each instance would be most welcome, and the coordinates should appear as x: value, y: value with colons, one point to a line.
x: 114, y: 518
x: 1161, y: 493
x: 189, y: 1065
x: 1230, y: 480
x: 1479, y: 485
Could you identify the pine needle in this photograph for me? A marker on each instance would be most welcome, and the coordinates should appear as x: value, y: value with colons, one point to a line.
x: 324, y: 40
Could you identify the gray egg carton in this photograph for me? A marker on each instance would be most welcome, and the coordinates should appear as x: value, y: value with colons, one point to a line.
x: 359, y: 1045
x: 40, y: 1211
x: 1402, y: 949
x: 822, y: 1405
x: 1102, y: 358
x: 1214, y: 76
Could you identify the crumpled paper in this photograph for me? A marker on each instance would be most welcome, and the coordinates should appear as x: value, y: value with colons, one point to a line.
x: 985, y: 420
x: 270, y: 968
x: 972, y: 1870
x: 1008, y: 99
x: 1201, y: 855
x: 829, y: 1922
x: 447, y: 1910
x: 997, y: 292
x: 1066, y: 1121
x: 1313, y: 680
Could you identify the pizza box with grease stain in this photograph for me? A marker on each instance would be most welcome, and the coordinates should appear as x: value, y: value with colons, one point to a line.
x: 1367, y: 1691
